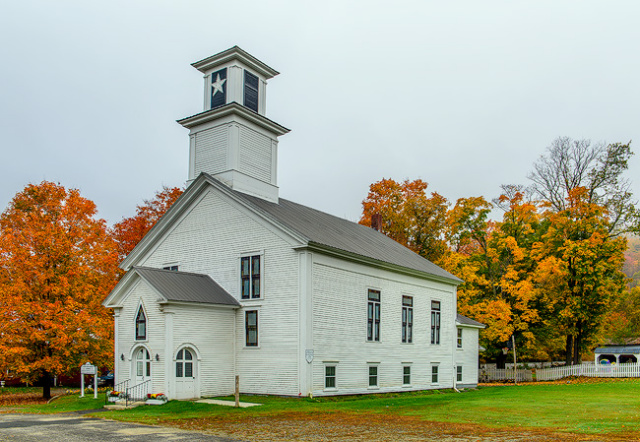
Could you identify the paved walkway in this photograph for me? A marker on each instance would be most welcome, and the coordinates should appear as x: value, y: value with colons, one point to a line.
x: 226, y: 403
x: 73, y: 427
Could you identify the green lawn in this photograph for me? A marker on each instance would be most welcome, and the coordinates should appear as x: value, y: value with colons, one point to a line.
x: 599, y: 408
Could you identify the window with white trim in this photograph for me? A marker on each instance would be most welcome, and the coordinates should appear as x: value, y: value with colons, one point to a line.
x: 434, y: 374
x: 251, y: 328
x: 373, y: 375
x: 459, y: 338
x: 373, y: 315
x: 172, y: 267
x: 406, y: 375
x: 141, y: 325
x: 459, y: 373
x: 407, y: 319
x: 330, y: 376
x: 435, y: 322
x: 143, y: 363
x: 184, y: 363
x: 250, y: 277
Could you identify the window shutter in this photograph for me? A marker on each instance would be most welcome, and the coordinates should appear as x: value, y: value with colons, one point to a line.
x: 251, y: 91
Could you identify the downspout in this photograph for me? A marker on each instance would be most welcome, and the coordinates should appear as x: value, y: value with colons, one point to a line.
x: 454, y: 373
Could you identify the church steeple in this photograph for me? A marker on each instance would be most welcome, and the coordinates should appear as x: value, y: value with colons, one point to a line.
x: 232, y: 139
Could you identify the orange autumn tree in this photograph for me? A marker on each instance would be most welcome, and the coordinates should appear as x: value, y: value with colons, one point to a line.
x: 130, y: 231
x: 408, y: 215
x: 57, y: 263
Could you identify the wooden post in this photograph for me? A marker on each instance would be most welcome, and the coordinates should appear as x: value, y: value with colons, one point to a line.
x: 237, y: 391
x: 515, y: 365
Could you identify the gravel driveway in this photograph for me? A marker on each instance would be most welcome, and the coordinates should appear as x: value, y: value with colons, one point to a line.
x: 74, y: 427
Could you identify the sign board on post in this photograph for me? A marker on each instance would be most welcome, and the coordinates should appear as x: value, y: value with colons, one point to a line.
x: 90, y: 370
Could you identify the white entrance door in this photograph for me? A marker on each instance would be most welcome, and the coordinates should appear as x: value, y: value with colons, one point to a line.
x: 142, y: 365
x: 186, y: 374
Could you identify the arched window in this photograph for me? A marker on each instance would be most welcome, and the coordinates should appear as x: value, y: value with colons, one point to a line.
x: 184, y: 363
x: 143, y: 363
x: 141, y: 325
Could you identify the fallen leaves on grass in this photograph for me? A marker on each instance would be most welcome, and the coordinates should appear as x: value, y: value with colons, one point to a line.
x: 567, y: 380
x: 319, y: 427
x: 21, y: 399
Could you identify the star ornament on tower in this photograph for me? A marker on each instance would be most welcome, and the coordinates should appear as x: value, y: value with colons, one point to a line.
x: 218, y: 85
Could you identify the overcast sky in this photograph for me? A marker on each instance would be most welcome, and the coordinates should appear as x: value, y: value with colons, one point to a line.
x: 465, y: 95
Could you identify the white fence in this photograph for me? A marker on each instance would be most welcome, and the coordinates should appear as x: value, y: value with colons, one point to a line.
x: 630, y: 370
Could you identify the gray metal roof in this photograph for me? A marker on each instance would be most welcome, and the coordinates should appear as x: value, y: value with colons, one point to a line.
x: 468, y: 321
x: 186, y: 287
x: 619, y: 349
x: 328, y: 230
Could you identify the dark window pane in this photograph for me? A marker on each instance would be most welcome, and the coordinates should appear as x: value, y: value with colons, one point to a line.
x: 251, y: 326
x: 256, y: 286
x: 188, y: 369
x: 187, y: 355
x: 251, y: 91
x: 178, y: 369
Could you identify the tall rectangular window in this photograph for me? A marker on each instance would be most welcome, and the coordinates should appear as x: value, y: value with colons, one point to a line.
x: 435, y: 322
x: 459, y: 373
x: 459, y: 338
x: 250, y: 277
x: 434, y: 374
x: 406, y: 375
x: 407, y: 319
x: 330, y: 376
x: 373, y: 315
x: 219, y: 88
x: 251, y: 328
x: 251, y: 91
x: 373, y: 375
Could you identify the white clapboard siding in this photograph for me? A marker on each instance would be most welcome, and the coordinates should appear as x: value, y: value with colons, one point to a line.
x: 255, y: 154
x: 340, y: 329
x: 210, y: 240
x: 467, y: 356
x: 207, y: 330
x: 127, y: 345
x: 210, y: 150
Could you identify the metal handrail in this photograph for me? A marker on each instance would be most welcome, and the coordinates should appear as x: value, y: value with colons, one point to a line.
x: 137, y: 393
x: 120, y: 386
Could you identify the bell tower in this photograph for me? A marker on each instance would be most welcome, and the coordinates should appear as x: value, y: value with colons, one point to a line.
x: 232, y: 139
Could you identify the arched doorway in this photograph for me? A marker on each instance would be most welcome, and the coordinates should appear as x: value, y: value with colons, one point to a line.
x: 185, y: 371
x: 141, y: 365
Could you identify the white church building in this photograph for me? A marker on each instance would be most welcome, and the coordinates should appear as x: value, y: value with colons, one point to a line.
x: 234, y: 280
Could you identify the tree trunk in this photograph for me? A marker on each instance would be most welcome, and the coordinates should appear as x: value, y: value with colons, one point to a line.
x: 569, y: 350
x: 46, y: 385
x: 501, y: 360
x: 577, y: 356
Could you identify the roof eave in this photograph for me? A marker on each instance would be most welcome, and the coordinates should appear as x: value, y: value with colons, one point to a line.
x: 233, y: 108
x: 236, y: 53
x: 169, y: 302
x: 164, y: 223
x: 350, y: 256
x: 462, y: 324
